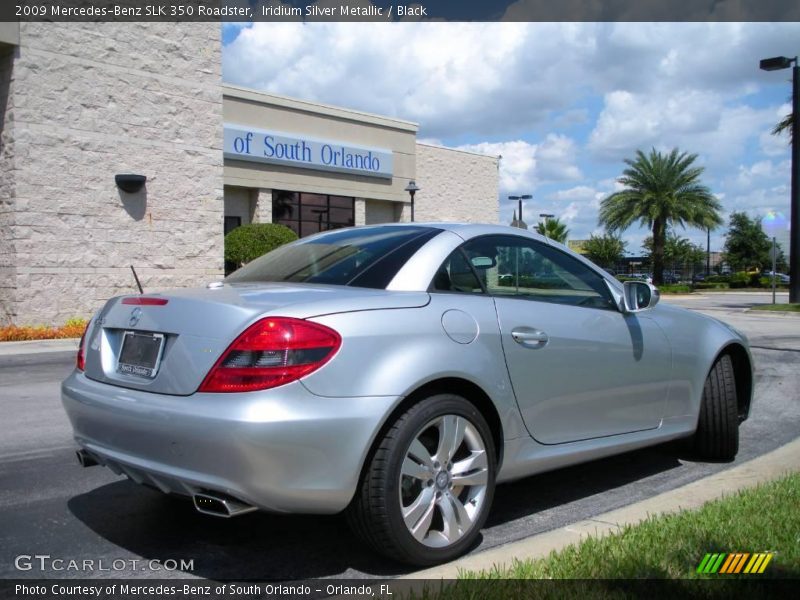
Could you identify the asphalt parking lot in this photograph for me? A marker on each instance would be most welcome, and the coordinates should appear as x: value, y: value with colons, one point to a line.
x: 51, y: 506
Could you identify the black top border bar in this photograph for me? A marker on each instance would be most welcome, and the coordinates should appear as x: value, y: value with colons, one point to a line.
x: 391, y: 10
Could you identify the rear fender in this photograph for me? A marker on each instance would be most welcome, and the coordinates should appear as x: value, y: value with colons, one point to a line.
x: 395, y: 352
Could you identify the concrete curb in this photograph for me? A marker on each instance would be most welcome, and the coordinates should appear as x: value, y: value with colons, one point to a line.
x: 774, y: 313
x: 745, y: 293
x: 39, y: 346
x: 767, y: 467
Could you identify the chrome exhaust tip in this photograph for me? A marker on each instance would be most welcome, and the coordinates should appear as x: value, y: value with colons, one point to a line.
x: 85, y: 459
x: 220, y: 505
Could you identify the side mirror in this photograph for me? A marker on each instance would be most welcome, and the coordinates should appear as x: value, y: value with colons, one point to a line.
x: 638, y: 296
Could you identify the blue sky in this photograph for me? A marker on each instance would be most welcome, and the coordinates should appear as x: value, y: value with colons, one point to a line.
x: 563, y: 103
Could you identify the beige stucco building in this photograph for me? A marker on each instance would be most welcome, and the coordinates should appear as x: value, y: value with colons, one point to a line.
x: 83, y: 102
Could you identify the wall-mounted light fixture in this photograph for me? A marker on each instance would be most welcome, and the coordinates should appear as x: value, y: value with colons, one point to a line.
x: 129, y: 182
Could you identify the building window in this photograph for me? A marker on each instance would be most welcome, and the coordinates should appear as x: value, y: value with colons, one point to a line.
x: 306, y: 213
x: 230, y: 224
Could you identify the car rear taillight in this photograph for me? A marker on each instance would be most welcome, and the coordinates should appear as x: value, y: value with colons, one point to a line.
x: 272, y: 352
x: 80, y: 359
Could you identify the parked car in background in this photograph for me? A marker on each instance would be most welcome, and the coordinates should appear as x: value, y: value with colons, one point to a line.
x: 392, y: 373
x: 779, y: 277
x: 699, y: 277
x: 669, y: 277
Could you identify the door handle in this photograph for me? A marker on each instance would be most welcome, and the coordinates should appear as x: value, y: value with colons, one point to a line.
x: 530, y: 338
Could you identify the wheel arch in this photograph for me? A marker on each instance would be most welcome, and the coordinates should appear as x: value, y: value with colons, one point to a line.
x: 742, y: 374
x: 470, y: 391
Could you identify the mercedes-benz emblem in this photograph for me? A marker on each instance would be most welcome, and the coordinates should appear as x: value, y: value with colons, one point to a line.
x: 136, y: 314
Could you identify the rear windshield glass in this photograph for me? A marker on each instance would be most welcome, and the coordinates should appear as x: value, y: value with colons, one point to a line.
x: 362, y: 257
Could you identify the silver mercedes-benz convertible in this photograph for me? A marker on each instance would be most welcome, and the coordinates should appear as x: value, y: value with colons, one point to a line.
x: 398, y: 373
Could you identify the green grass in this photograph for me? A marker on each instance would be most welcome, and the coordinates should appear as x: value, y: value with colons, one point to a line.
x: 667, y: 548
x: 780, y: 307
x: 674, y: 288
x: 761, y: 519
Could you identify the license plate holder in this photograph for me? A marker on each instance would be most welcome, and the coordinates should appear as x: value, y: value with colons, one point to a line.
x: 140, y: 354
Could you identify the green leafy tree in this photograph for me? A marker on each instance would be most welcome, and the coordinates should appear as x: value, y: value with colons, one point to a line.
x: 696, y: 258
x: 605, y: 250
x: 553, y: 229
x: 748, y: 247
x: 660, y: 190
x: 248, y: 242
x: 679, y: 252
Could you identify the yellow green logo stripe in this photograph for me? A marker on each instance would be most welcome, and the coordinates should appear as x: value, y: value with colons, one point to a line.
x: 734, y: 563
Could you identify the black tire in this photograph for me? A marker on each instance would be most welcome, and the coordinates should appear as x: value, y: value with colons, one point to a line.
x: 375, y: 514
x: 717, y: 435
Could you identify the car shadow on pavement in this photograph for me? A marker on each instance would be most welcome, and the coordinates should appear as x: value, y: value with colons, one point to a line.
x: 261, y: 546
x: 255, y: 546
x: 561, y: 487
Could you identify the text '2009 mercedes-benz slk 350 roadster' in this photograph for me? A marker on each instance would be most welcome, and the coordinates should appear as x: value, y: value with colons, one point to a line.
x: 398, y: 373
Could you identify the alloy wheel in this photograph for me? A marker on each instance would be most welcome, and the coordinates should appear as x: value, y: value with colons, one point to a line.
x: 443, y: 481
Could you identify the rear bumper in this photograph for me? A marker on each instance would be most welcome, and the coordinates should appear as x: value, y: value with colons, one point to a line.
x: 283, y: 450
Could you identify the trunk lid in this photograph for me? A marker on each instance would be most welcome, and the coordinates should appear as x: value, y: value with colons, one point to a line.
x: 195, y: 326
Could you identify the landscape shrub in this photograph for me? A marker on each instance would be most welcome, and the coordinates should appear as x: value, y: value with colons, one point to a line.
x: 674, y: 288
x: 718, y: 279
x: 73, y: 328
x: 248, y: 242
x: 739, y: 280
x: 703, y: 285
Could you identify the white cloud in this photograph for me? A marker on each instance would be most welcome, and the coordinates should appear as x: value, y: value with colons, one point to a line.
x: 688, y: 120
x: 761, y: 171
x: 556, y: 155
x: 776, y: 145
x: 443, y: 75
x: 524, y: 166
x: 758, y: 188
x: 631, y: 121
x: 517, y: 165
x: 581, y: 192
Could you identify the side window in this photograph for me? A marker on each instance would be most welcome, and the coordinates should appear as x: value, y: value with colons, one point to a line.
x: 530, y: 269
x: 455, y: 275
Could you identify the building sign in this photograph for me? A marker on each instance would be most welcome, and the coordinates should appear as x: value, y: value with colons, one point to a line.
x: 258, y: 145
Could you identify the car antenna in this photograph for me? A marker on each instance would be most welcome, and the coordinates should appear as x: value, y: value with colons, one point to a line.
x: 139, y: 285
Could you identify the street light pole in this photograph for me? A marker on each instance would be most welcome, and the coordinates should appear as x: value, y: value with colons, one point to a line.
x: 794, y: 243
x: 520, y: 222
x: 774, y: 267
x: 775, y: 64
x: 708, y: 253
x: 412, y: 189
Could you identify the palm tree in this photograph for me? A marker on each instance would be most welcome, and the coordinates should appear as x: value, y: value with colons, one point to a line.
x: 785, y: 124
x: 553, y: 229
x: 660, y: 190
